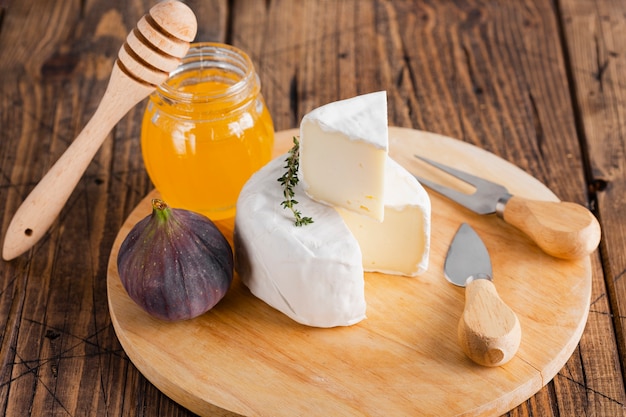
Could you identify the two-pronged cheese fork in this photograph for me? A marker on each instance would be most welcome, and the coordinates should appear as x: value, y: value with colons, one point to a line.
x: 561, y: 229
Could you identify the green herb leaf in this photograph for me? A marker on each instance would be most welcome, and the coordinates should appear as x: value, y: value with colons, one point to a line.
x: 289, y: 181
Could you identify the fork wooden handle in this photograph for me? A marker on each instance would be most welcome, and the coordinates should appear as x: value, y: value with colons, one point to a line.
x: 562, y: 229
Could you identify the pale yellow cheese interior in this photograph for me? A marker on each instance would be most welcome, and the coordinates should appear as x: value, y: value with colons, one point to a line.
x: 400, y: 244
x: 343, y: 172
x: 395, y: 246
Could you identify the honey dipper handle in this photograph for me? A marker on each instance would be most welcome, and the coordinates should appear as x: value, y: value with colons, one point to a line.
x: 44, y: 203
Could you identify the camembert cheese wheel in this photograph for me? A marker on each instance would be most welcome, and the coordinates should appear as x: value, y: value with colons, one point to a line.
x: 369, y: 214
x: 314, y: 273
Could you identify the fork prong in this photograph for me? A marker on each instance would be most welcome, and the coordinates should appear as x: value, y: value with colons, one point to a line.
x: 483, y: 201
x: 451, y: 193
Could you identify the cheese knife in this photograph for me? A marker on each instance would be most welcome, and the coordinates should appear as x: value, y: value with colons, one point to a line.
x: 489, y: 331
x: 564, y: 230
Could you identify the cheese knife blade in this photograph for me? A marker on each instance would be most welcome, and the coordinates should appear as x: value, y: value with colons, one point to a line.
x: 489, y: 331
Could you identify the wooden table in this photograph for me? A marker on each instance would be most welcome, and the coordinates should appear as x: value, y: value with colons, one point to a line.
x: 539, y: 83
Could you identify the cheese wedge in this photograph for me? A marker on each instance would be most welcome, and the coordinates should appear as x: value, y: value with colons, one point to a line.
x: 343, y: 151
x: 401, y: 243
x: 313, y: 273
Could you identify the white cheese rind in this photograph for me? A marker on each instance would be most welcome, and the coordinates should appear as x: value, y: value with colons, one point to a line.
x: 401, y: 243
x: 313, y: 274
x: 343, y: 151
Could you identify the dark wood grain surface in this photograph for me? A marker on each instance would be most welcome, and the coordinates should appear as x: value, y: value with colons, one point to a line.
x: 540, y: 83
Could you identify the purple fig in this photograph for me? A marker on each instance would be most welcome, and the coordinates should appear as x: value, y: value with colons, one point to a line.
x: 175, y: 263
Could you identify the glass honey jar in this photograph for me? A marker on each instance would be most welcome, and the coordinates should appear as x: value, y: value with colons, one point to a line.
x: 206, y: 130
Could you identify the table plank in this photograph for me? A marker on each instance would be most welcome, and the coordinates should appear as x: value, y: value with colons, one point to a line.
x: 494, y: 74
x: 595, y: 43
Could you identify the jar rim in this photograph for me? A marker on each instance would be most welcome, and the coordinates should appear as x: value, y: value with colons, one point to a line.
x: 203, y: 55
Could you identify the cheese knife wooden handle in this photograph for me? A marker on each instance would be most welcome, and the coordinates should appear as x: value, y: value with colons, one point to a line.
x: 562, y: 229
x: 489, y: 331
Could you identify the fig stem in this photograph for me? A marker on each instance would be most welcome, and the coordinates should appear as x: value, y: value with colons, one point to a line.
x: 160, y: 209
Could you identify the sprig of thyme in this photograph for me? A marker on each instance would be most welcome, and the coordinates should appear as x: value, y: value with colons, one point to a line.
x: 289, y: 181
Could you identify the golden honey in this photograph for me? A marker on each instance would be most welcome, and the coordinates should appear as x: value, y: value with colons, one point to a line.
x: 206, y: 130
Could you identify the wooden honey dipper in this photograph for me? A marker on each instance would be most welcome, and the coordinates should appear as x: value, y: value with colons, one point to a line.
x: 151, y: 51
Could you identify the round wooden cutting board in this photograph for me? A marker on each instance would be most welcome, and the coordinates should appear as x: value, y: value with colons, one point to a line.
x: 246, y: 358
